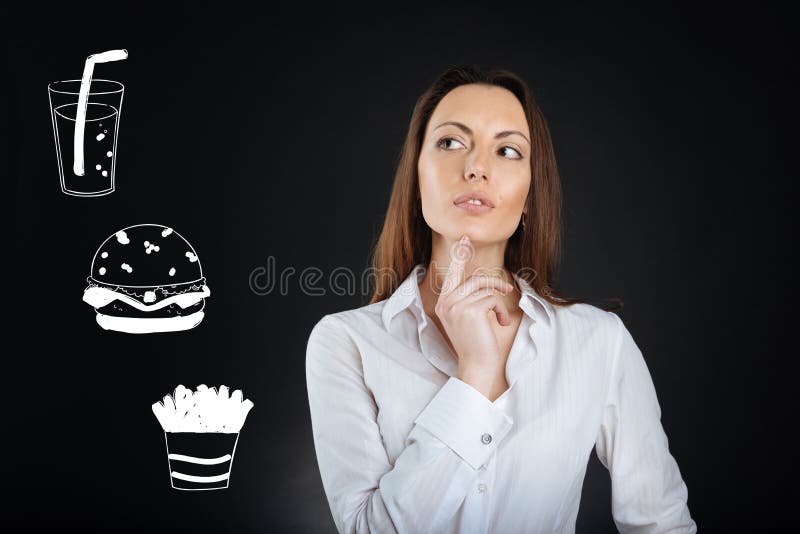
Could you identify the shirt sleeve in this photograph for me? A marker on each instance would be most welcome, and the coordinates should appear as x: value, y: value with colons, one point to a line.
x: 648, y: 494
x: 451, y: 440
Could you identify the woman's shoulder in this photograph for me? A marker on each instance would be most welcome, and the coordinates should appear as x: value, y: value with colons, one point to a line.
x: 363, y: 319
x: 589, y: 334
x: 336, y: 339
x: 585, y: 315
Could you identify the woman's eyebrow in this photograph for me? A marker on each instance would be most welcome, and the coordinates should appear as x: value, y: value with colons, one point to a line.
x: 504, y: 133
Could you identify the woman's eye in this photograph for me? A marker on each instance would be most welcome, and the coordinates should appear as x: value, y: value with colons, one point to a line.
x: 446, y: 139
x: 518, y: 155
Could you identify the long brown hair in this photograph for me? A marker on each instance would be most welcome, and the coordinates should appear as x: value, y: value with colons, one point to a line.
x: 533, y: 251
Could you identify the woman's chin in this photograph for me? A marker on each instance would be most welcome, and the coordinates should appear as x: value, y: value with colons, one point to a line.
x: 477, y: 235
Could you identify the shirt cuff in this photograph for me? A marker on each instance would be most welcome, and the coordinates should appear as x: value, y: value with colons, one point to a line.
x: 466, y: 421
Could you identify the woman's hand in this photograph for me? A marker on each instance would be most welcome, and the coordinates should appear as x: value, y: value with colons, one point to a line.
x: 464, y: 308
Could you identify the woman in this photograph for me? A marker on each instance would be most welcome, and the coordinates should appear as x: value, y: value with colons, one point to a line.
x: 467, y: 397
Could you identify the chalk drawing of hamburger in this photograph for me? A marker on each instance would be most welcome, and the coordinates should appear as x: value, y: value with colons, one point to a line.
x: 146, y: 278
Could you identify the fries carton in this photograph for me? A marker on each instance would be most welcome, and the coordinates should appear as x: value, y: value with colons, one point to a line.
x: 201, y: 430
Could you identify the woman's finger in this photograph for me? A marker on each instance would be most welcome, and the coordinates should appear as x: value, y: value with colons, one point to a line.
x: 493, y: 303
x: 455, y: 271
x: 478, y: 304
x: 472, y: 284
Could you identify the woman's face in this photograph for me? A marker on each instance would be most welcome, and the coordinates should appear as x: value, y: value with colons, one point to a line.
x: 455, y: 160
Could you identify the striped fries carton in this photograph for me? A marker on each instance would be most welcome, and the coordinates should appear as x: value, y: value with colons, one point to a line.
x: 201, y: 430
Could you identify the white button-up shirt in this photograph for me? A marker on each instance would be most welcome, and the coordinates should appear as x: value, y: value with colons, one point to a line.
x: 405, y: 446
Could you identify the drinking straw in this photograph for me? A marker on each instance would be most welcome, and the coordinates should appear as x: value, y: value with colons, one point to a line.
x: 83, y: 97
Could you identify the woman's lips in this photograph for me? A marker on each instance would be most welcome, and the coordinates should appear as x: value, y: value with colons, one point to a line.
x: 474, y: 208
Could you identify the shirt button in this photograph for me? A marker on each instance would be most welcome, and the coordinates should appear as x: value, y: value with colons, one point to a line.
x: 481, y: 488
x: 486, y: 438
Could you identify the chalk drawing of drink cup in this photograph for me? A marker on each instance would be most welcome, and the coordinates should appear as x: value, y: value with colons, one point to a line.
x: 86, y: 118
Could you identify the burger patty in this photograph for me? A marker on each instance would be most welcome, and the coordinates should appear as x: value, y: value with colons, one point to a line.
x: 118, y: 308
x: 157, y: 293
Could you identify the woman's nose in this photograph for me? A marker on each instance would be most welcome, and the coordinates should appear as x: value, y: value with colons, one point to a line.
x: 476, y: 168
x: 475, y: 172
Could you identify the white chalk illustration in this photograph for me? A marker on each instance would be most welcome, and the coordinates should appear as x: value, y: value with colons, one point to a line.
x: 86, y: 116
x: 146, y: 278
x: 201, y: 431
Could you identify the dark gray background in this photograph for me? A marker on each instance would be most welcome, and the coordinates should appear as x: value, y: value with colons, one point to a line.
x: 256, y: 134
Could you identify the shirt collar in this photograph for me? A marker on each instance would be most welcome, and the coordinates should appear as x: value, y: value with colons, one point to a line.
x: 408, y: 293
